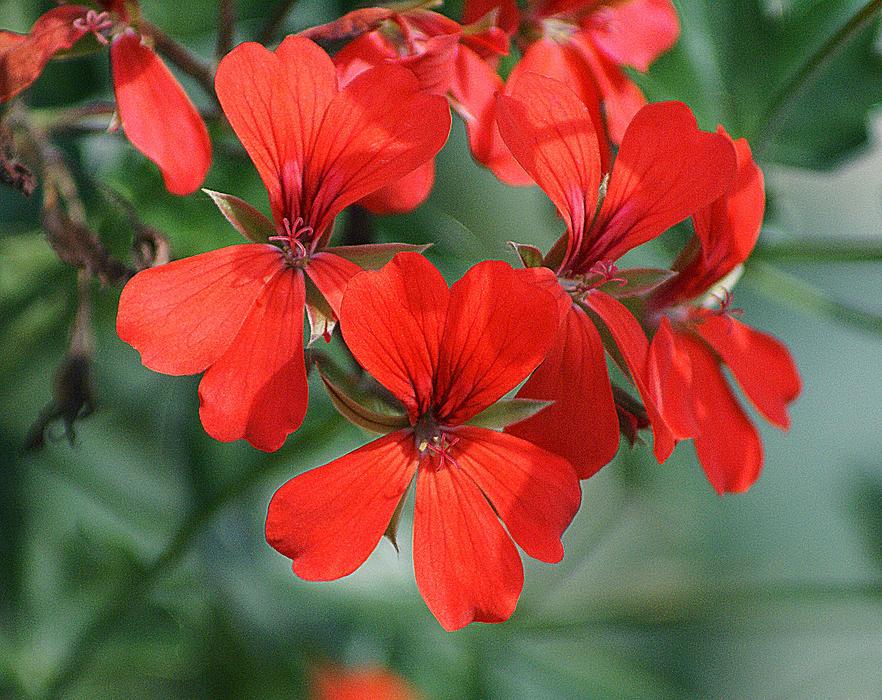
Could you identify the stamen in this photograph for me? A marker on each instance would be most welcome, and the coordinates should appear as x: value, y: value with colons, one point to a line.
x: 291, y: 238
x: 608, y: 270
x: 725, y: 308
x: 439, y: 445
x: 95, y: 23
x: 602, y: 272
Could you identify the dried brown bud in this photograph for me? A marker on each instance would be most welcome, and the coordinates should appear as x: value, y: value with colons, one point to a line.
x: 73, y: 399
x: 78, y: 245
x: 12, y: 172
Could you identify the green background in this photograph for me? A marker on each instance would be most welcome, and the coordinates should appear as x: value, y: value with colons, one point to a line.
x: 133, y: 564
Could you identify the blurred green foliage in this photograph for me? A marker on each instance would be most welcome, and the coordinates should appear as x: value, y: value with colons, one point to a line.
x: 133, y: 563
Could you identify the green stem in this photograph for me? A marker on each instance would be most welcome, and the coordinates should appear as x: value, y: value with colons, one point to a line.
x: 781, y: 286
x: 778, y: 110
x: 820, y: 251
x: 139, y: 582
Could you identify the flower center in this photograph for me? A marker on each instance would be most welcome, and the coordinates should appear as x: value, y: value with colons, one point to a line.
x: 434, y: 444
x: 725, y: 308
x: 553, y: 29
x: 95, y: 23
x: 602, y: 272
x: 293, y: 238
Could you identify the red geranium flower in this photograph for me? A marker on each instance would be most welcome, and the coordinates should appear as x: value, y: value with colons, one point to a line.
x: 728, y: 445
x: 238, y: 312
x: 586, y: 44
x: 666, y: 170
x: 156, y: 114
x: 446, y: 354
x: 444, y: 56
x: 368, y: 683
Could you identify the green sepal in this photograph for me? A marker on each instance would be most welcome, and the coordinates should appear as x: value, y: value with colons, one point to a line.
x: 506, y: 412
x: 359, y: 408
x: 322, y: 320
x: 391, y: 532
x: 638, y: 281
x: 372, y: 256
x: 245, y: 219
x: 530, y: 255
x: 410, y: 5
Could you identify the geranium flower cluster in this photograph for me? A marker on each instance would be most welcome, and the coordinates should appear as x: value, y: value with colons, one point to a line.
x: 363, y: 126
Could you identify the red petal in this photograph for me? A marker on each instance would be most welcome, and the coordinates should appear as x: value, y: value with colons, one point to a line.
x: 622, y: 99
x: 489, y: 44
x: 727, y: 229
x: 331, y: 274
x: 275, y: 103
x: 669, y: 376
x: 157, y: 116
x: 379, y: 129
x: 23, y: 56
x: 582, y: 424
x: 430, y: 55
x: 728, y: 445
x: 762, y: 365
x: 466, y: 567
x: 545, y: 279
x: 636, y: 32
x: 666, y: 170
x: 392, y: 320
x: 565, y: 63
x: 184, y: 315
x: 535, y: 493
x: 474, y: 89
x: 433, y: 63
x: 361, y: 54
x: 117, y: 6
x: 508, y: 18
x: 634, y: 348
x: 550, y: 132
x: 360, y: 684
x: 257, y: 389
x: 405, y: 194
x: 329, y: 519
x: 499, y: 327
x: 549, y: 8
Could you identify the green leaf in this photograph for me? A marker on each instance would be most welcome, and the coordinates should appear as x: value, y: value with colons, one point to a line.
x: 245, y: 219
x: 506, y: 412
x: 372, y: 256
x: 808, y: 104
x: 530, y: 255
x: 355, y: 406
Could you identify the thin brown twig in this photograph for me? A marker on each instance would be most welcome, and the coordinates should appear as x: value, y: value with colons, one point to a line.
x: 182, y: 57
x: 275, y: 22
x: 226, y: 27
x: 64, y: 214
